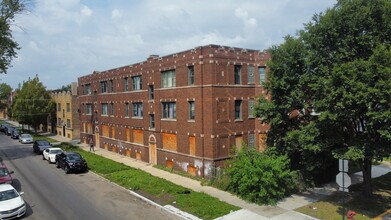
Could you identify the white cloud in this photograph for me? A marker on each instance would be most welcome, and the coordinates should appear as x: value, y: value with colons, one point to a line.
x: 116, y: 13
x: 65, y: 39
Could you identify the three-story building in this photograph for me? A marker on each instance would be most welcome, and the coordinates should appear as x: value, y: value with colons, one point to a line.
x: 185, y: 111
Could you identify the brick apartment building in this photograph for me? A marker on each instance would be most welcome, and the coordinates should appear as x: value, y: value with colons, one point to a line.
x: 67, y: 116
x: 185, y: 111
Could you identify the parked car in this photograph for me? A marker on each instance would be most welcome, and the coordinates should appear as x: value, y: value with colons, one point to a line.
x: 12, y: 204
x: 71, y: 162
x: 50, y: 154
x: 4, y: 127
x: 5, y: 174
x: 40, y: 145
x: 15, y: 134
x: 9, y: 130
x: 25, y: 138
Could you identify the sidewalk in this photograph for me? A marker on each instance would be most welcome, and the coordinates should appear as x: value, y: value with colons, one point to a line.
x: 283, y: 210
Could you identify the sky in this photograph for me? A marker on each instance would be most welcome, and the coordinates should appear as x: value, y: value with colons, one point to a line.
x: 62, y: 40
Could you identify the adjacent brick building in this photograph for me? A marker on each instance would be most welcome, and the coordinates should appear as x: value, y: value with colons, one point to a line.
x: 185, y: 111
x: 67, y: 121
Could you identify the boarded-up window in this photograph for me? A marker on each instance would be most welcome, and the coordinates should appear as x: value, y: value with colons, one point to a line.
x: 192, y: 170
x: 169, y: 142
x: 169, y: 164
x: 105, y: 130
x: 138, y: 156
x: 113, y: 132
x: 127, y: 134
x: 138, y: 136
x: 192, y: 146
x: 262, y: 142
x: 238, y: 142
x: 89, y: 128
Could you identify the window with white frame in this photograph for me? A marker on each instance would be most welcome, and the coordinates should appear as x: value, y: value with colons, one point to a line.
x: 262, y: 74
x: 191, y: 110
x: 136, y: 83
x: 126, y: 109
x: 238, y: 109
x: 138, y: 109
x: 190, y: 75
x: 87, y: 88
x: 89, y: 109
x: 168, y: 79
x: 68, y: 123
x: 103, y: 87
x: 250, y: 75
x: 151, y: 92
x: 151, y: 121
x: 111, y: 85
x: 251, y: 140
x: 111, y: 109
x: 104, y: 108
x: 237, y: 74
x: 126, y: 81
x: 251, y: 104
x: 169, y: 110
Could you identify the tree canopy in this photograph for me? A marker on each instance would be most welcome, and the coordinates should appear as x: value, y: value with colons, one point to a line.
x: 32, y: 104
x: 331, y: 89
x: 8, y: 46
x: 5, y: 92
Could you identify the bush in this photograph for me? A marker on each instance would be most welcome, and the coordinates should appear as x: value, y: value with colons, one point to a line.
x: 260, y: 178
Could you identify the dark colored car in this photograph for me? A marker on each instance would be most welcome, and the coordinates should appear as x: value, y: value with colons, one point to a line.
x: 8, y: 130
x: 71, y: 162
x: 15, y: 134
x: 40, y: 145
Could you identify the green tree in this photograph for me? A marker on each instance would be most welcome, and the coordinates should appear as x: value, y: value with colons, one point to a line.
x: 331, y: 89
x: 33, y: 104
x: 259, y: 177
x: 5, y: 92
x: 8, y: 46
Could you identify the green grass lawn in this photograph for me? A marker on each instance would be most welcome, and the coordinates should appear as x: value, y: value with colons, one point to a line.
x: 154, y: 188
x: 366, y: 208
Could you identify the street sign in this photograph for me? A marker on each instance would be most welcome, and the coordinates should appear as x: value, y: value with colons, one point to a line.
x: 343, y: 165
x: 343, y: 180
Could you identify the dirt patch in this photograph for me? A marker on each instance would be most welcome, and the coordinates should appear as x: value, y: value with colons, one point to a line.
x: 163, y: 199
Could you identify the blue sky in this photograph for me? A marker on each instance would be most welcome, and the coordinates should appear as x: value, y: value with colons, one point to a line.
x: 62, y: 40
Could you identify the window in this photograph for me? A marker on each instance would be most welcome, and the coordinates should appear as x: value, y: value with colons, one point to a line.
x: 191, y: 110
x: 59, y: 122
x: 112, y: 109
x: 126, y: 109
x: 251, y: 140
x: 169, y: 110
x: 151, y: 121
x: 103, y: 87
x: 68, y: 123
x: 151, y: 92
x: 190, y: 75
x: 238, y: 109
x: 59, y: 107
x: 251, y: 108
x: 126, y: 84
x: 68, y: 107
x: 262, y: 74
x: 89, y: 109
x: 104, y: 109
x: 250, y: 75
x: 136, y: 83
x: 168, y: 79
x: 237, y: 74
x: 111, y: 86
x: 87, y: 89
x: 138, y: 109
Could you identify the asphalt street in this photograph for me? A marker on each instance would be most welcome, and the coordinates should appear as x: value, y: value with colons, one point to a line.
x: 52, y: 194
